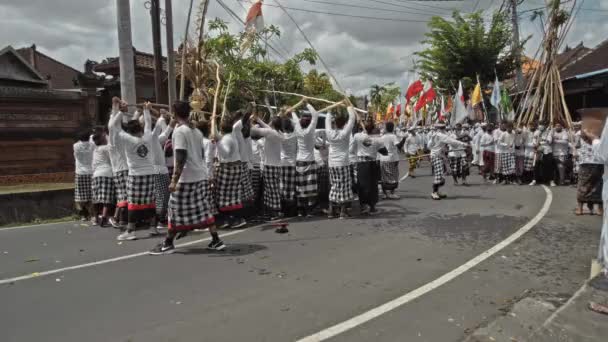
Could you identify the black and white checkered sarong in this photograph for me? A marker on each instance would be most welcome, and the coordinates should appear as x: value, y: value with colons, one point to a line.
x: 256, y: 179
x: 103, y: 190
x: 228, y: 180
x: 288, y: 183
x: 306, y: 183
x: 272, y: 187
x: 341, y: 187
x: 140, y: 192
x: 190, y: 206
x: 459, y: 166
x: 389, y: 174
x: 437, y: 169
x: 161, y: 192
x: 120, y: 186
x: 83, y: 188
x: 246, y: 185
x: 323, y: 182
x: 528, y: 163
x: 507, y: 163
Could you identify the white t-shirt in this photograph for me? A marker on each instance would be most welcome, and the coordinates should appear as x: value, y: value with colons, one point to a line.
x: 210, y: 153
x: 117, y: 151
x: 102, y: 165
x: 159, y: 137
x: 257, y: 148
x: 390, y: 141
x: 289, y: 149
x: 191, y: 140
x: 237, y: 132
x: 321, y: 149
x: 506, y: 143
x: 561, y: 144
x: 228, y: 149
x: 412, y: 144
x: 486, y: 142
x: 138, y: 150
x: 306, y: 136
x: 339, y: 140
x: 367, y: 146
x: 83, y: 157
x: 272, y: 144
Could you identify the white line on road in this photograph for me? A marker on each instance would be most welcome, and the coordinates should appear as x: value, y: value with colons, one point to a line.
x: 408, y: 297
x: 101, y: 262
x: 36, y: 225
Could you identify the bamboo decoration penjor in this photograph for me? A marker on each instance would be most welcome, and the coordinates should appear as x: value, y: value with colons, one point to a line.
x: 543, y: 99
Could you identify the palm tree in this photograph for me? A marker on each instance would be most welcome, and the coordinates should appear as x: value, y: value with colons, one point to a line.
x: 125, y: 51
x: 375, y: 95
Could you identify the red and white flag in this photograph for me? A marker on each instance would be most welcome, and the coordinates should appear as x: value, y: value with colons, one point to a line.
x: 460, y: 110
x: 413, y: 90
x: 253, y: 24
x: 427, y: 97
x: 255, y: 19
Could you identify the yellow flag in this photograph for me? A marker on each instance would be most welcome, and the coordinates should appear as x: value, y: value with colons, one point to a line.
x: 476, y: 96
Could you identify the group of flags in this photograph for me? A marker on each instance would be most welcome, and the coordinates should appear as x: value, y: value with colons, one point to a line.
x: 424, y: 104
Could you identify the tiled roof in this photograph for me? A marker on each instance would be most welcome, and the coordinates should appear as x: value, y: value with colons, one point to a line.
x: 60, y: 75
x: 595, y: 59
x: 143, y: 60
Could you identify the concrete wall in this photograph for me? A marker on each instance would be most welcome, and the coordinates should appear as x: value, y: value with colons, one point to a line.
x: 29, y: 206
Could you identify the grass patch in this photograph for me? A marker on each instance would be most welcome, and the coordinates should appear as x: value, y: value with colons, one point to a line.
x: 21, y: 188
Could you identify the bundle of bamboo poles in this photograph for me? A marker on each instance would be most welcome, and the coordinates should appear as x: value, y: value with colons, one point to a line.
x: 543, y: 100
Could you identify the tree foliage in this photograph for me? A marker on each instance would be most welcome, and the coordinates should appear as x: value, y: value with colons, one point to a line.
x: 253, y: 72
x: 382, y: 96
x: 465, y: 47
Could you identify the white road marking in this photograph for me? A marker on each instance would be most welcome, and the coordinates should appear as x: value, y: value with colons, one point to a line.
x: 38, y: 225
x: 101, y: 262
x: 408, y: 297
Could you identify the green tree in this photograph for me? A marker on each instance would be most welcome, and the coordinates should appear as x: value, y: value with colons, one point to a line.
x: 465, y: 47
x: 375, y: 96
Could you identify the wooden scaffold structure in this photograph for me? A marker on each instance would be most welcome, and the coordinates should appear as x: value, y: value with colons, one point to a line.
x: 543, y: 99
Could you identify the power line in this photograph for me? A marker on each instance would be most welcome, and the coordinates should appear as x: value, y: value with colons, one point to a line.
x: 349, y: 15
x: 431, y: 6
x: 367, y: 7
x: 403, y: 6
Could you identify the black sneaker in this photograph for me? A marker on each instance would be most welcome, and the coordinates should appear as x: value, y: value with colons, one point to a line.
x: 162, y: 249
x: 216, y: 245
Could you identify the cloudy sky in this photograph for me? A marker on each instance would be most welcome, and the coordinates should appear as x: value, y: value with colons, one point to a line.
x: 371, y: 42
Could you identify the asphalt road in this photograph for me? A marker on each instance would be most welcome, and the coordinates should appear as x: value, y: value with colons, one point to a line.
x: 271, y: 287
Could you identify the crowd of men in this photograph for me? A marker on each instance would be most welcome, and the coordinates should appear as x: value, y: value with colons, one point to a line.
x: 158, y: 170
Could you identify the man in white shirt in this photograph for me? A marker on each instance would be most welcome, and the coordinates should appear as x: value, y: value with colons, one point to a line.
x: 486, y: 145
x: 544, y: 171
x: 273, y: 137
x: 368, y: 173
x: 520, y: 154
x: 338, y: 137
x: 321, y: 155
x: 413, y: 148
x: 103, y: 181
x: 506, y: 146
x: 120, y: 169
x: 529, y: 153
x: 137, y: 141
x: 600, y: 151
x: 241, y: 131
x: 228, y: 177
x: 83, y: 162
x: 306, y: 166
x: 189, y: 203
x: 561, y: 149
x: 458, y: 156
x: 438, y: 141
x: 289, y: 153
x: 498, y: 151
x: 389, y: 164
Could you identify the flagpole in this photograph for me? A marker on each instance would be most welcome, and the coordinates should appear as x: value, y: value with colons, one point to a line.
x: 483, y: 103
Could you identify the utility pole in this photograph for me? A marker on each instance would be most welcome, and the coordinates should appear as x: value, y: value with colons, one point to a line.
x: 170, y: 55
x: 126, y: 59
x: 514, y: 20
x: 158, y: 52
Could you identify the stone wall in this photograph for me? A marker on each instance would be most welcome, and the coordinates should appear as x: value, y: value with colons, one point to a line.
x: 29, y: 206
x: 38, y: 128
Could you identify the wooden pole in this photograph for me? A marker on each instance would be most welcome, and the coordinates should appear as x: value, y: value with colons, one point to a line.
x: 182, y: 78
x: 170, y: 53
x: 158, y: 52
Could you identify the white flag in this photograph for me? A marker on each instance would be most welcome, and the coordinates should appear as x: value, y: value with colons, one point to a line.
x: 460, y: 111
x: 495, y: 99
